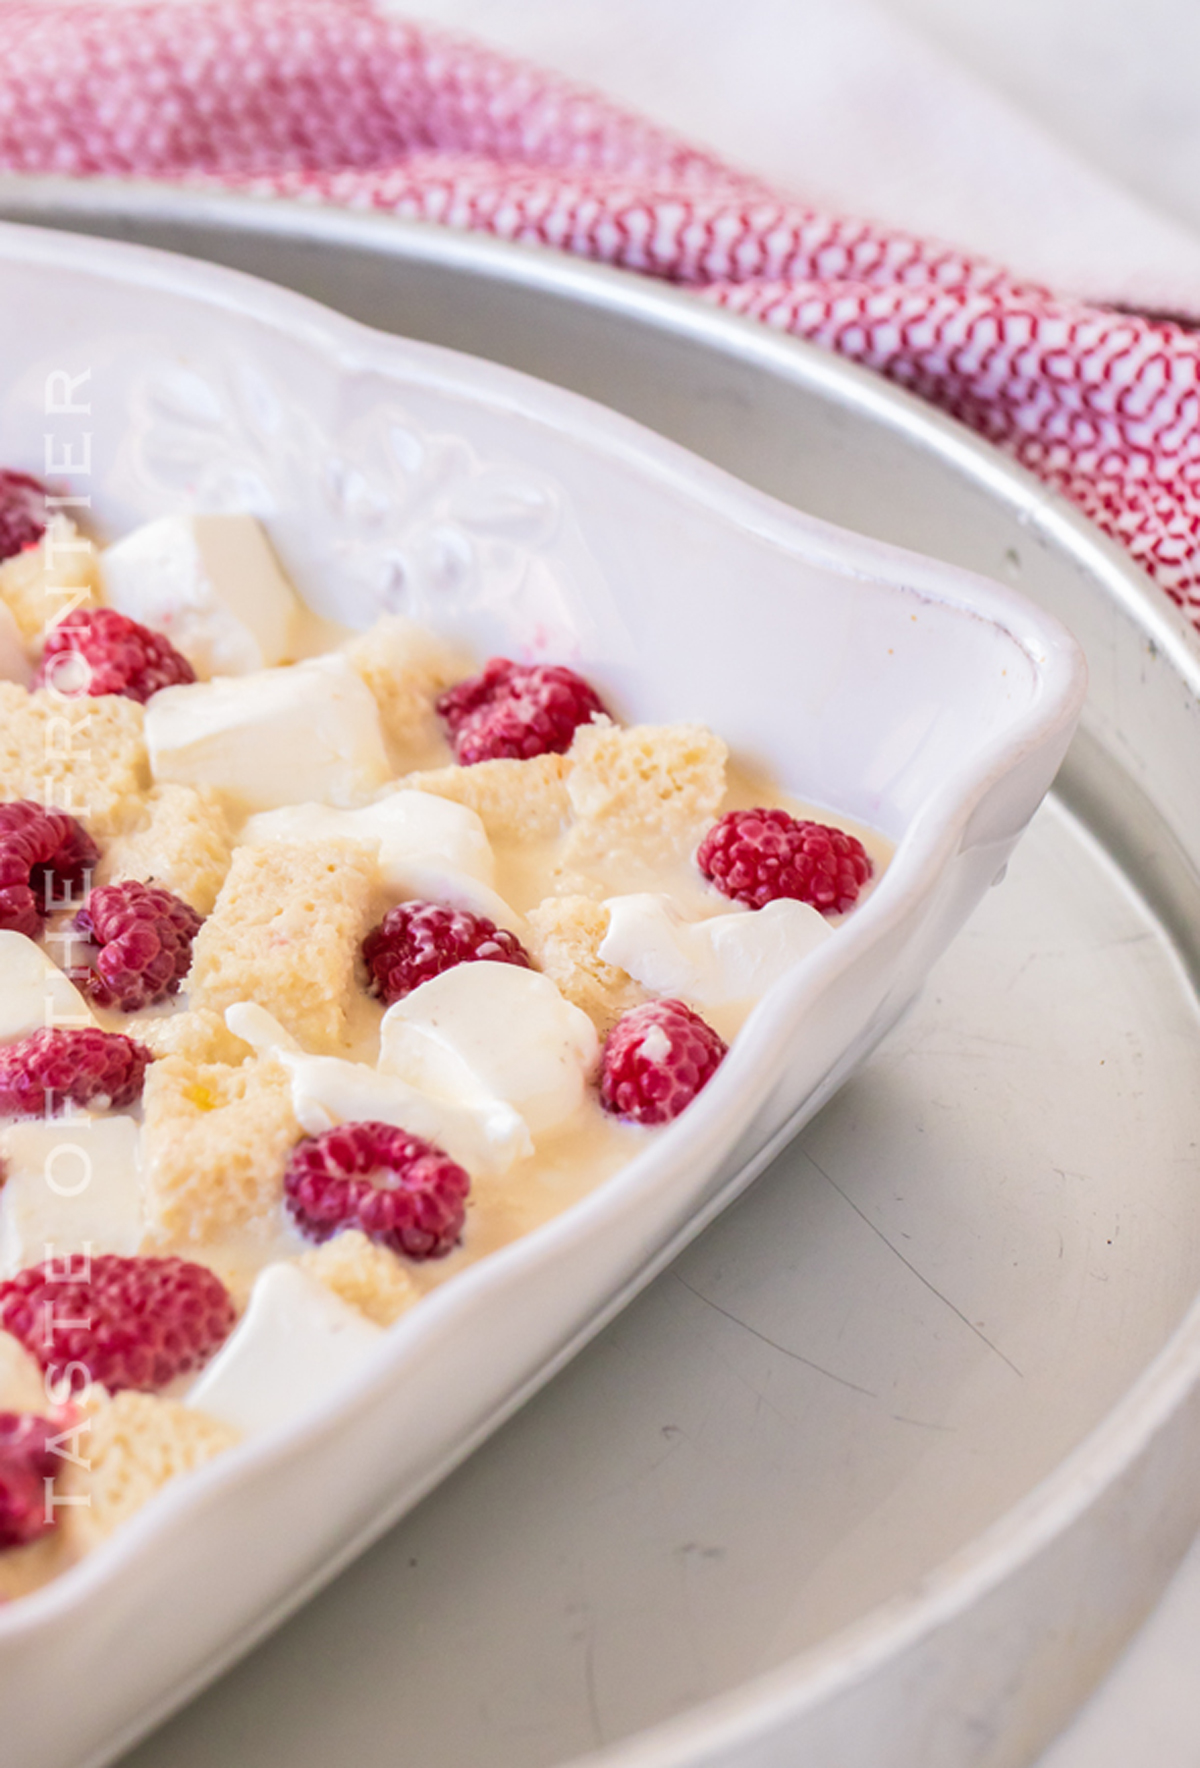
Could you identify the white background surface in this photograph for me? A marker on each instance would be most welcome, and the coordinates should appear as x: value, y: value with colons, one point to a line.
x: 1063, y: 139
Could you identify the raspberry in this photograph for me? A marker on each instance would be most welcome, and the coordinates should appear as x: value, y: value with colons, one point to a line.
x: 757, y: 856
x: 26, y: 1463
x: 128, y: 1322
x: 89, y: 1068
x: 44, y: 854
x: 418, y: 940
x: 656, y: 1059
x: 516, y: 710
x: 400, y: 1191
x: 98, y: 651
x: 22, y: 512
x: 145, y: 938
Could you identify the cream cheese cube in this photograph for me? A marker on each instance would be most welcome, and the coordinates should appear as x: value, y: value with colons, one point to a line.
x: 211, y: 584
x: 493, y: 1031
x: 408, y: 826
x: 429, y: 848
x: 282, y: 736
x: 73, y: 1185
x: 297, y: 1344
x: 721, y: 959
x: 35, y: 995
x: 481, y: 1134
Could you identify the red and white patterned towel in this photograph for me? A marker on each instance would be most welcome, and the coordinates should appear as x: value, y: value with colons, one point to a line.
x: 328, y: 100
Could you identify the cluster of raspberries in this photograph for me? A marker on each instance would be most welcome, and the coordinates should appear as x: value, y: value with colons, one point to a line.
x: 22, y: 512
x: 142, y: 1322
x: 417, y: 941
x: 45, y: 859
x: 91, y: 650
x: 760, y: 856
x: 88, y: 1068
x: 138, y: 937
x: 516, y: 711
x: 98, y: 651
x: 123, y: 1322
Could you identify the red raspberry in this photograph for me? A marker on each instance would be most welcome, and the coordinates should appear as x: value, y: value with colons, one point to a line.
x: 22, y: 512
x: 758, y: 856
x: 128, y: 1322
x: 656, y: 1059
x: 399, y: 1190
x: 145, y: 938
x: 98, y: 651
x: 44, y: 855
x: 26, y: 1463
x: 89, y: 1067
x: 516, y: 710
x: 418, y: 940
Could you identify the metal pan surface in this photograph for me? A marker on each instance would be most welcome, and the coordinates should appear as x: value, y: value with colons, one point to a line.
x: 738, y: 1531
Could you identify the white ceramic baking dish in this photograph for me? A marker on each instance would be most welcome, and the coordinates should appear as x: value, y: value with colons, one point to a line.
x: 916, y: 697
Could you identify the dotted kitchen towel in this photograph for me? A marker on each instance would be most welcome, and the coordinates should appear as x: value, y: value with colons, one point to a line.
x: 328, y: 100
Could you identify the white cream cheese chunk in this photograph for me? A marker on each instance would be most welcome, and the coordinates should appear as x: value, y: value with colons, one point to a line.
x: 73, y: 1185
x: 281, y: 736
x: 484, y: 1030
x: 429, y: 848
x: 210, y: 584
x: 296, y: 1344
x: 724, y: 958
x: 35, y: 995
x: 14, y: 664
x: 481, y: 1134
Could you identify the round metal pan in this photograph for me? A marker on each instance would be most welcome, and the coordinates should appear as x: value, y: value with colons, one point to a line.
x: 957, y: 1648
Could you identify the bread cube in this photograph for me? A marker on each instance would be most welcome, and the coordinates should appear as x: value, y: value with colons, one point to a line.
x: 286, y: 932
x: 180, y: 840
x: 215, y: 1141
x: 564, y: 941
x: 198, y: 1033
x: 369, y: 1277
x: 644, y: 792
x: 45, y: 582
x: 406, y: 667
x: 85, y: 756
x: 519, y: 801
x: 132, y: 1445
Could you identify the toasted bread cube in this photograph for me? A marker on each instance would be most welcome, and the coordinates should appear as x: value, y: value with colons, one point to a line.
x: 406, y: 667
x: 197, y: 1033
x: 85, y: 756
x: 130, y: 1446
x: 215, y: 1142
x: 45, y: 582
x: 181, y: 841
x: 646, y: 790
x: 369, y: 1277
x: 564, y: 941
x: 286, y: 933
x: 518, y: 800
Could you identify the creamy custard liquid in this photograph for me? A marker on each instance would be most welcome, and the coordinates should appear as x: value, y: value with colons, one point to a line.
x: 569, y: 1164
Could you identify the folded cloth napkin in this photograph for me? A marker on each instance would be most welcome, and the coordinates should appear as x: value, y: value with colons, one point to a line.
x: 331, y: 101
